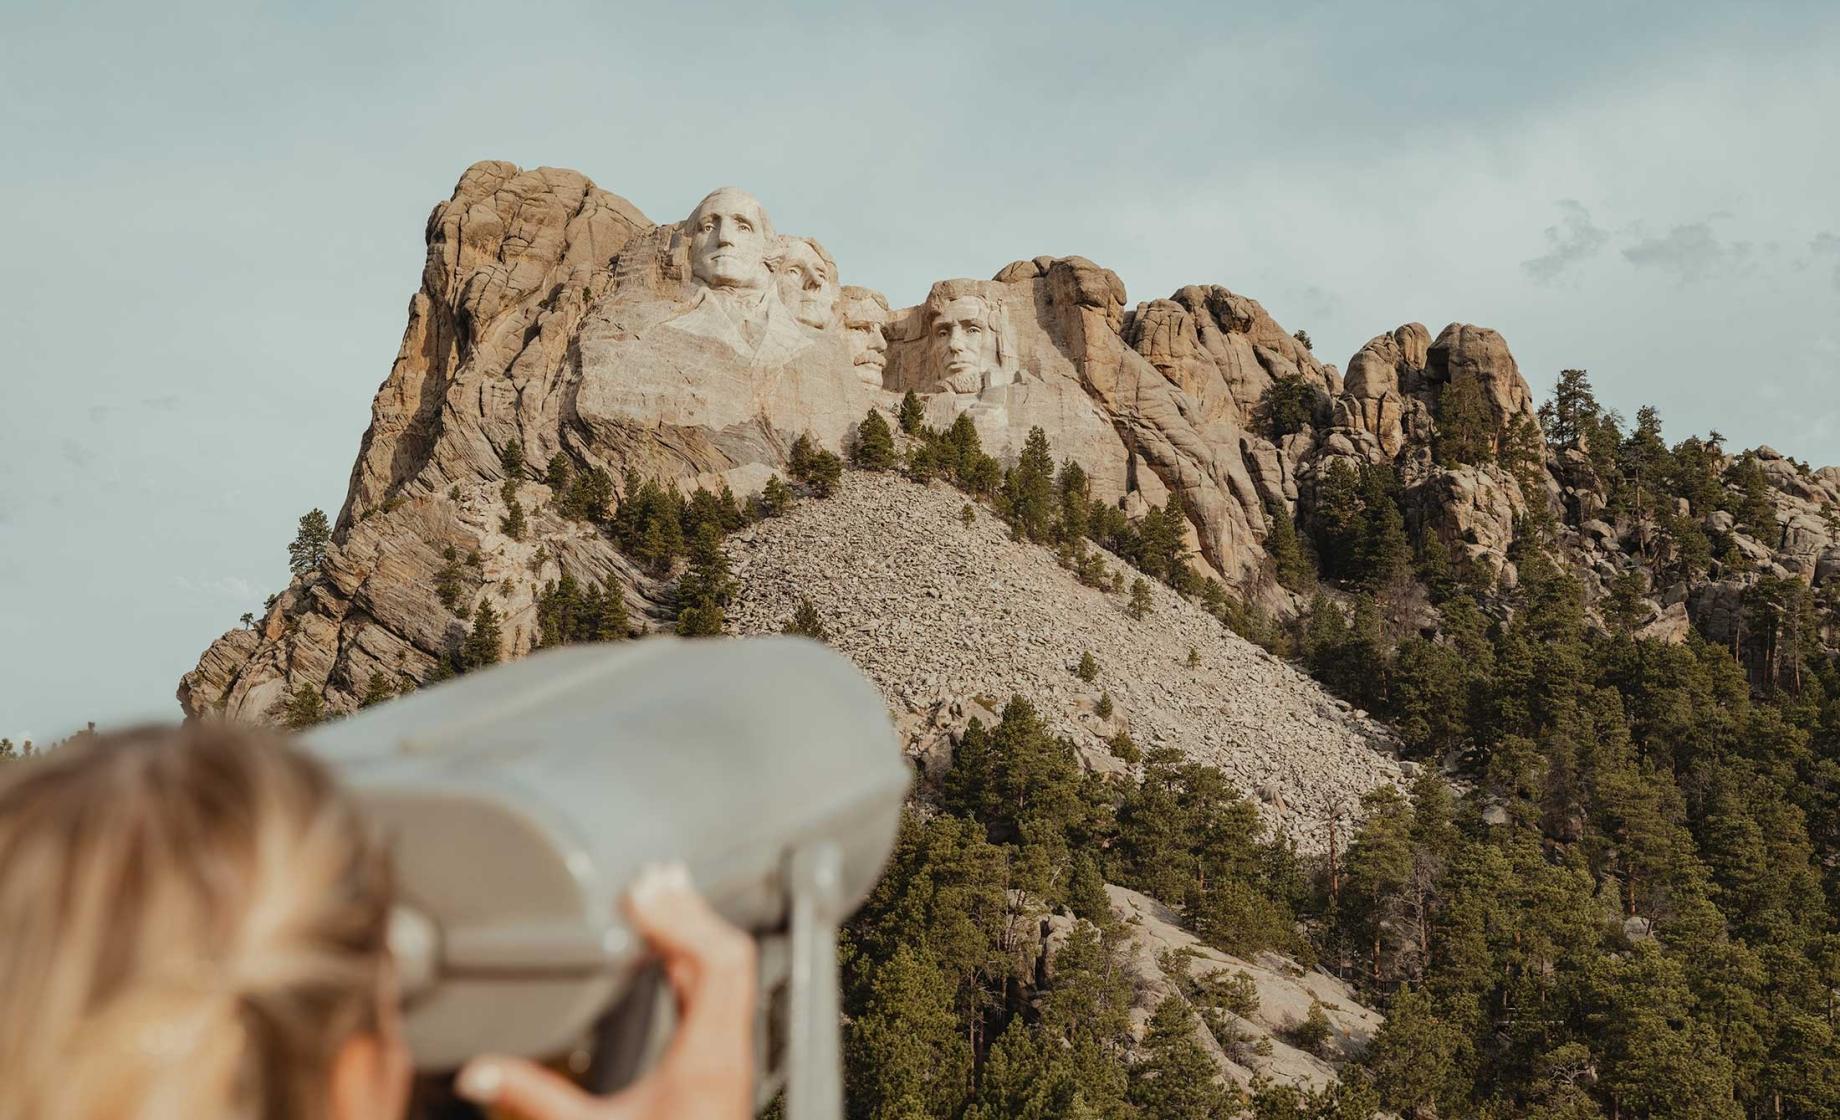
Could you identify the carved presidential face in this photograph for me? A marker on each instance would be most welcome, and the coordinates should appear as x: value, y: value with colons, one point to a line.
x: 730, y: 239
x: 866, y: 320
x: 808, y: 283
x: 965, y: 338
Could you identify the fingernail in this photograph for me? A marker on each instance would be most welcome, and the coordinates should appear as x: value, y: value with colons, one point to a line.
x: 480, y: 1082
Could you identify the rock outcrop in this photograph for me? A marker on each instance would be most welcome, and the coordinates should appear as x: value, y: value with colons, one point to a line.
x: 555, y: 319
x: 514, y: 259
x: 1041, y: 346
x: 556, y: 322
x: 1252, y: 1045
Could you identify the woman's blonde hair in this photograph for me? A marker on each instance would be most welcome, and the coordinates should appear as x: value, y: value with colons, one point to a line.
x: 192, y: 921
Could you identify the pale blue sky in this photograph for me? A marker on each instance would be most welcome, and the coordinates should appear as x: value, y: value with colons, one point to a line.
x: 218, y: 214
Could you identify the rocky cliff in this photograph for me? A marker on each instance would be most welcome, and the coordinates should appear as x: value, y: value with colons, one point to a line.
x: 568, y: 364
x: 557, y: 325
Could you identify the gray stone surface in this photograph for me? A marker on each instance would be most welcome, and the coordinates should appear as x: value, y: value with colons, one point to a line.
x: 949, y: 620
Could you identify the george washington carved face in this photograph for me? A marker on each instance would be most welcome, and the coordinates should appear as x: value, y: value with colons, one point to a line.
x: 808, y: 281
x: 730, y: 240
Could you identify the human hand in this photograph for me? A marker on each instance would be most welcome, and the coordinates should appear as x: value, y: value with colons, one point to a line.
x: 707, y: 1072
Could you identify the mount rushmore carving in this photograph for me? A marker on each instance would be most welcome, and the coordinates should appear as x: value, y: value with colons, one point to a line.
x: 556, y: 318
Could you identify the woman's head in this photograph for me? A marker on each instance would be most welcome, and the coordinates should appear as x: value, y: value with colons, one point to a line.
x: 193, y: 924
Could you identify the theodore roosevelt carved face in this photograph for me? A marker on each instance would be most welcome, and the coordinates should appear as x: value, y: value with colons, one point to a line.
x: 865, y: 317
x: 808, y: 281
x: 730, y: 240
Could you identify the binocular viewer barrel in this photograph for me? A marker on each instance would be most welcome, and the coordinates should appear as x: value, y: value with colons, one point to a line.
x: 521, y: 801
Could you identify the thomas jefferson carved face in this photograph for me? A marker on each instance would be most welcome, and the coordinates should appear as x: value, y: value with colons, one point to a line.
x: 808, y: 282
x: 964, y: 334
x: 730, y: 239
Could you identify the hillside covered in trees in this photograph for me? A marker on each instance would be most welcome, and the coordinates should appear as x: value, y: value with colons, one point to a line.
x: 1610, y: 891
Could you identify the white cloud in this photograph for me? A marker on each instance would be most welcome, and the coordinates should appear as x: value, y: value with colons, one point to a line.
x: 1575, y: 238
x: 1691, y: 252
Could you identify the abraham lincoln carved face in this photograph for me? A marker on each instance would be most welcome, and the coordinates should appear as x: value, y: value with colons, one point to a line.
x: 967, y: 334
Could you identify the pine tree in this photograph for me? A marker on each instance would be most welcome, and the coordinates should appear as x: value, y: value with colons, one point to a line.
x: 448, y: 578
x: 1103, y: 709
x: 1088, y: 669
x: 1413, y: 1057
x: 559, y: 607
x: 1382, y: 551
x: 559, y: 474
x: 1379, y: 871
x: 584, y: 496
x: 967, y: 516
x: 1314, y: 1032
x: 661, y: 537
x: 1031, y: 1075
x: 1073, y: 489
x: 610, y: 623
x: 913, y: 414
x: 705, y: 588
x: 511, y: 460
x: 303, y: 708
x: 1123, y: 748
x: 1755, y: 512
x: 776, y: 496
x: 1465, y: 431
x: 1335, y: 518
x: 1175, y: 1079
x: 1433, y: 567
x: 1029, y: 494
x: 961, y: 455
x: 800, y: 455
x: 483, y: 644
x: 818, y: 469
x: 874, y: 448
x: 514, y: 524
x: 310, y: 541
x: 1573, y: 413
x: 1139, y: 605
x: 377, y: 690
x: 905, y: 1056
x: 1644, y: 464
x: 1625, y: 606
x: 1289, y: 407
x: 1290, y: 563
x: 1086, y: 895
x: 806, y: 622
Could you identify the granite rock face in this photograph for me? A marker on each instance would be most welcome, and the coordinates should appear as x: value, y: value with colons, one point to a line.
x: 556, y: 319
x: 1222, y: 349
x: 1041, y: 345
x: 1254, y: 1047
x: 514, y: 258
